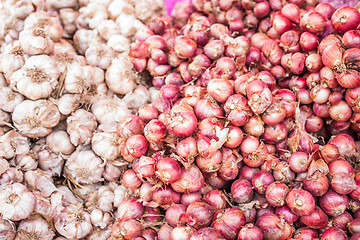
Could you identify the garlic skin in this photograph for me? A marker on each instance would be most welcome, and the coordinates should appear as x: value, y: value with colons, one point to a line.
x: 5, y: 119
x: 4, y: 165
x: 145, y: 9
x: 112, y: 173
x: 41, y: 181
x: 73, y: 222
x: 67, y: 103
x: 43, y: 205
x: 50, y: 25
x: 16, y: 202
x: 62, y: 3
x: 7, y: 229
x: 36, y: 228
x: 120, y: 76
x: 64, y: 54
x: 80, y: 127
x: 12, y: 58
x: 109, y: 110
x: 84, y: 166
x: 82, y: 39
x: 103, y: 199
x: 35, y: 119
x: 11, y: 175
x: 12, y: 143
x: 120, y: 7
x: 129, y: 25
x: 37, y: 78
x: 19, y: 8
x: 9, y: 99
x: 106, y: 145
x: 26, y: 162
x: 68, y: 17
x: 100, y: 219
x: 59, y: 142
x: 78, y: 79
x: 119, y: 43
x: 95, y: 14
x: 99, y: 55
x: 100, y: 234
x: 36, y: 41
x: 137, y: 98
x: 107, y: 29
x: 49, y: 161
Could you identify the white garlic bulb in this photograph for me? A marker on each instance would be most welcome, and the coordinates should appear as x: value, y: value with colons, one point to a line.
x: 106, y: 145
x: 7, y: 229
x: 16, y: 202
x: 73, y: 222
x: 12, y: 143
x: 99, y: 218
x: 100, y: 234
x: 119, y: 43
x: 67, y: 103
x: 41, y: 181
x: 84, y: 166
x: 102, y: 199
x: 37, y: 78
x: 36, y: 41
x: 25, y: 162
x: 37, y: 228
x: 99, y: 55
x: 12, y: 58
x: 9, y: 99
x: 59, y: 142
x: 78, y: 79
x: 120, y: 76
x: 80, y: 127
x: 35, y: 118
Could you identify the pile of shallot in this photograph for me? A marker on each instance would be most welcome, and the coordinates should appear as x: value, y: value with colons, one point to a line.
x: 231, y: 119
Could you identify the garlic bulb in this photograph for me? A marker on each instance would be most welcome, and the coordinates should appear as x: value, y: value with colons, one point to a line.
x: 12, y: 143
x: 36, y: 228
x: 5, y: 119
x: 107, y: 29
x: 67, y: 103
x: 99, y: 55
x: 7, y: 229
x: 80, y: 127
x: 109, y: 110
x: 112, y: 173
x: 129, y: 25
x: 121, y: 193
x: 120, y: 76
x: 16, y: 202
x: 137, y: 98
x: 4, y: 165
x: 12, y: 58
x: 84, y: 166
x: 100, y: 234
x: 49, y: 161
x: 35, y: 118
x: 59, y: 142
x: 120, y: 7
x: 19, y: 8
x: 41, y: 181
x: 83, y: 38
x: 119, y: 43
x: 73, y: 222
x: 58, y: 4
x: 37, y: 78
x: 50, y: 25
x: 36, y: 41
x: 65, y: 54
x: 100, y: 219
x: 68, y: 17
x: 103, y: 199
x: 26, y: 162
x: 9, y: 99
x: 78, y: 79
x: 43, y: 205
x: 106, y: 145
x: 145, y: 9
x: 95, y: 14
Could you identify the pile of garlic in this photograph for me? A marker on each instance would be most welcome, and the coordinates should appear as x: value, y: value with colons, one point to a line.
x: 65, y: 83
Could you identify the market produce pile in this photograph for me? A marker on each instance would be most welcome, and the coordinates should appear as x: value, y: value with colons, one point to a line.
x: 227, y: 120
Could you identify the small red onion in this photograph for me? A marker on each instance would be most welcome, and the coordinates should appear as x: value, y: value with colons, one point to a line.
x: 286, y: 213
x: 345, y: 18
x: 199, y: 214
x: 241, y: 191
x: 228, y: 222
x: 276, y: 193
x: 175, y: 215
x: 300, y: 202
x: 333, y: 234
x: 273, y: 227
x: 317, y: 219
x: 261, y: 180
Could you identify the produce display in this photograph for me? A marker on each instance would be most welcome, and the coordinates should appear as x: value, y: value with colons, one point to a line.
x: 231, y: 119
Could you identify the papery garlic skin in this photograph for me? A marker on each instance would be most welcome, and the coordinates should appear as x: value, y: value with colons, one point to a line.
x: 16, y: 202
x: 99, y: 55
x: 50, y: 25
x: 36, y: 41
x: 112, y: 173
x: 78, y: 79
x: 37, y: 78
x: 12, y: 58
x: 106, y: 145
x: 84, y: 166
x: 41, y: 181
x: 80, y: 127
x: 11, y: 175
x: 120, y: 76
x: 7, y: 229
x: 49, y: 161
x: 26, y: 162
x: 100, y: 219
x: 100, y: 234
x: 9, y: 99
x: 59, y: 142
x: 103, y: 199
x: 64, y: 54
x: 35, y: 229
x: 67, y: 103
x: 4, y: 165
x: 137, y: 98
x: 43, y: 205
x: 58, y: 4
x: 109, y: 110
x: 12, y: 143
x: 119, y: 43
x: 5, y: 119
x: 121, y: 193
x: 73, y: 222
x: 35, y: 119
